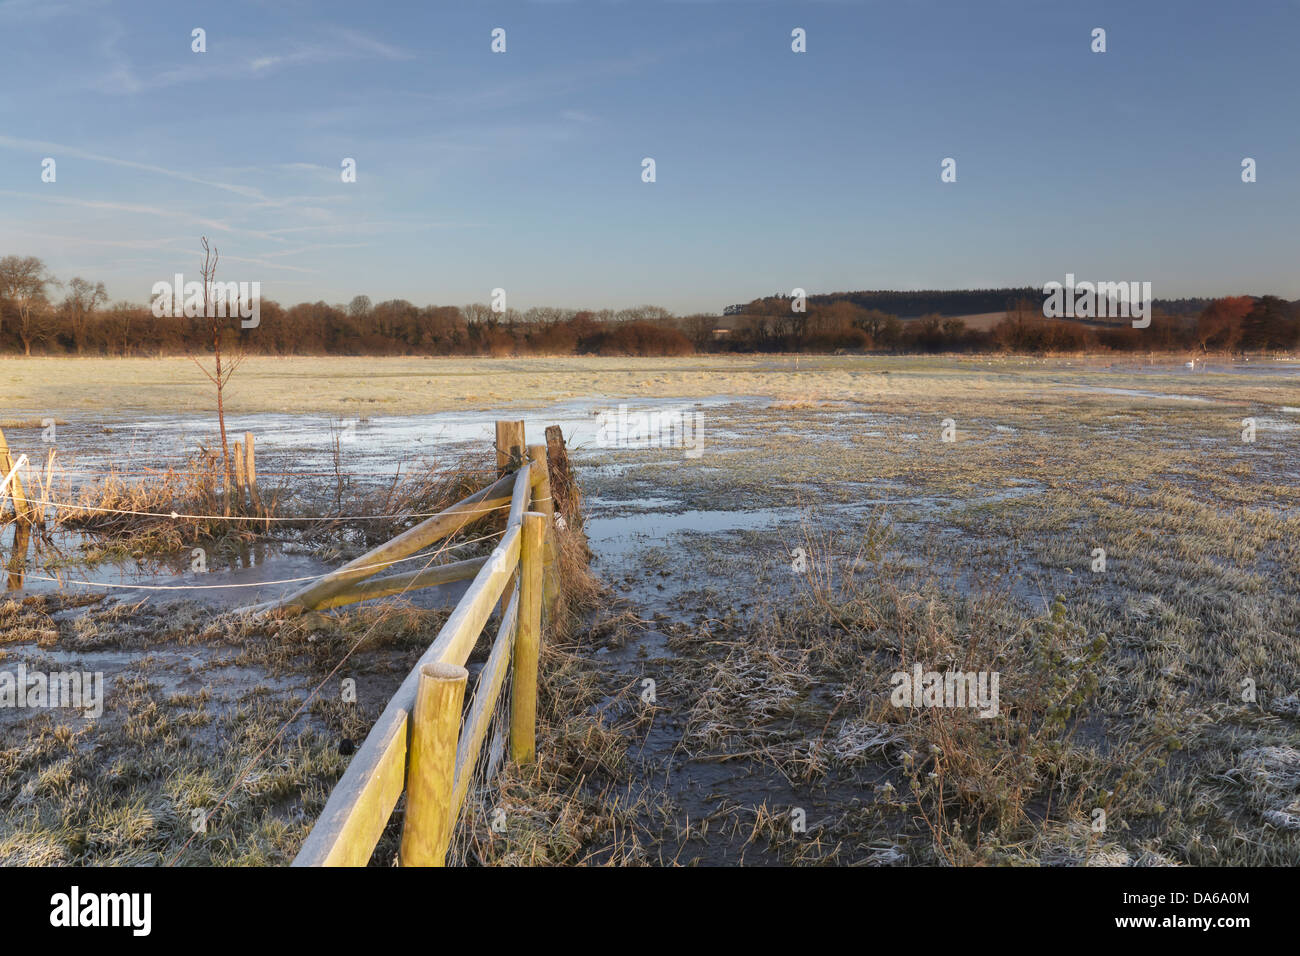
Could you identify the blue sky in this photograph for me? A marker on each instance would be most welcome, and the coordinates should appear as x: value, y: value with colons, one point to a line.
x: 522, y: 170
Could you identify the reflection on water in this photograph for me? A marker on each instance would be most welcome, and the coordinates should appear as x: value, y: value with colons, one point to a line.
x: 40, y: 560
x: 18, y: 555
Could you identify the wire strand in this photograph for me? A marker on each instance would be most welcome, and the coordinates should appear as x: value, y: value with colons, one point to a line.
x: 176, y: 515
x: 253, y: 584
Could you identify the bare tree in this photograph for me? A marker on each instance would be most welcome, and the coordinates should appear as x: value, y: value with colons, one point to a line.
x: 82, y: 300
x: 122, y: 314
x: 22, y: 283
x: 216, y: 326
x: 479, y: 314
x: 699, y: 329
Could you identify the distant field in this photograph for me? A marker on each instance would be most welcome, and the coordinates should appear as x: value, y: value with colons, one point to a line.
x: 31, y: 388
x: 981, y: 321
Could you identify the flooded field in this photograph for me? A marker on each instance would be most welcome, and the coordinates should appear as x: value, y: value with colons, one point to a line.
x: 843, y: 519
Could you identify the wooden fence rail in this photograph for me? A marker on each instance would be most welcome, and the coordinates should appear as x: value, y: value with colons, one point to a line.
x: 426, y: 742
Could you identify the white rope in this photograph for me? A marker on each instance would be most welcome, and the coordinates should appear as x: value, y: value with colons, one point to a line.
x: 257, y: 584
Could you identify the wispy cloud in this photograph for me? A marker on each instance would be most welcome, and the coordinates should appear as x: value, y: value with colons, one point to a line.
x: 267, y: 264
x: 17, y: 11
x: 128, y: 207
x: 173, y: 246
x: 317, y: 247
x: 334, y: 44
x: 360, y: 42
x: 138, y: 244
x: 59, y: 149
x: 559, y: 81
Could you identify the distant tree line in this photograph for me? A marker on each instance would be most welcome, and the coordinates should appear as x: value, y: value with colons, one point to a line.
x: 913, y: 304
x: 837, y: 323
x: 949, y: 302
x: 35, y: 320
x: 41, y: 315
x: 1232, y: 325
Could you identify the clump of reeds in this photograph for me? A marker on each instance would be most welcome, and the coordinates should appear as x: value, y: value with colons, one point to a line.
x: 579, y: 587
x: 158, y: 510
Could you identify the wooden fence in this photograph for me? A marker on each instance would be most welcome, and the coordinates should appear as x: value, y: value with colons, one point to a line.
x: 427, y: 742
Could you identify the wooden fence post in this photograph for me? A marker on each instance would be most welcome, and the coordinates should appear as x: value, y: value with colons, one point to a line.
x: 250, y: 473
x: 46, y: 490
x: 431, y: 771
x: 564, y: 490
x: 7, y: 461
x: 544, y: 503
x: 18, y: 559
x: 528, y: 640
x: 239, y: 477
x: 561, y: 480
x: 510, y: 447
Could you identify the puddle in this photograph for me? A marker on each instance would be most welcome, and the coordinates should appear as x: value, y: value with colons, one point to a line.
x: 255, y: 573
x: 640, y: 504
x: 614, y: 536
x: 52, y: 561
x: 1276, y: 425
x: 617, y: 536
x: 1135, y: 393
x: 1265, y: 367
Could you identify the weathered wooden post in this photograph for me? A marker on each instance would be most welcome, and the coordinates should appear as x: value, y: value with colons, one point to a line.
x: 227, y: 482
x: 431, y: 770
x: 564, y: 490
x: 250, y: 473
x: 18, y: 559
x: 528, y: 640
x: 510, y: 447
x: 558, y: 459
x: 46, y: 489
x: 239, y: 478
x: 7, y: 464
x: 543, y: 502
